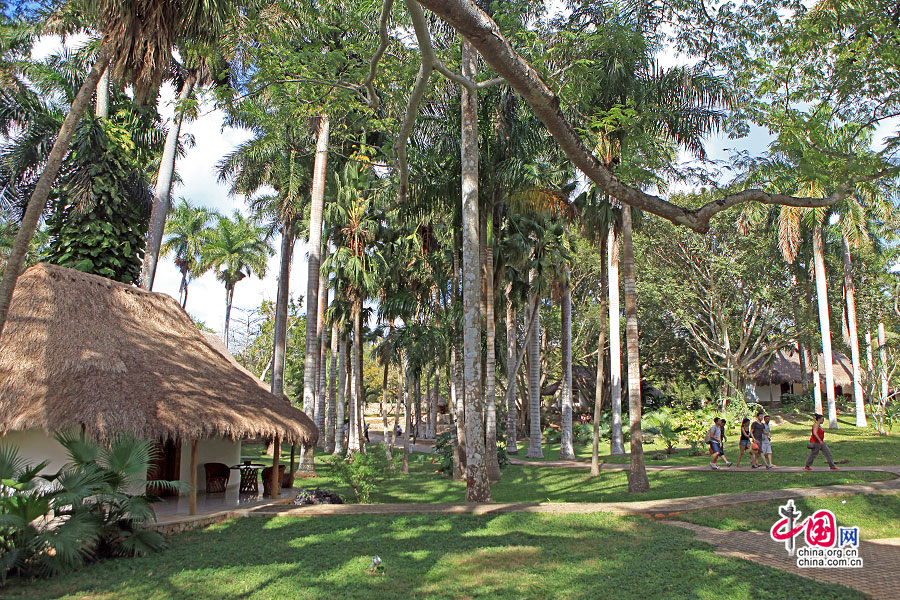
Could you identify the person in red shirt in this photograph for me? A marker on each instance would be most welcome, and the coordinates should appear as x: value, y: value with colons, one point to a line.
x: 817, y: 444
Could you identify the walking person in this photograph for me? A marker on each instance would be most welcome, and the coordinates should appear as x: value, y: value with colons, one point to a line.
x: 766, y: 449
x: 757, y: 429
x: 714, y: 439
x: 745, y: 439
x: 817, y: 444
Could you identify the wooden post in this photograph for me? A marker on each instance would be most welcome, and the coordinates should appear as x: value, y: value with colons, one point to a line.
x: 275, y: 481
x: 293, y: 463
x: 192, y: 502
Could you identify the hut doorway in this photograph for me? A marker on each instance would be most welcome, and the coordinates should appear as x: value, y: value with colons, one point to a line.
x: 166, y: 465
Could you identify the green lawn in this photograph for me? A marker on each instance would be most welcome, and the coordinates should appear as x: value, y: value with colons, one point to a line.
x: 849, y: 445
x: 555, y: 484
x: 876, y: 515
x: 426, y: 556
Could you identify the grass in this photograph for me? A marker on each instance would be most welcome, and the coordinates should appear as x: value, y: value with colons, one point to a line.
x: 555, y: 484
x: 452, y: 556
x: 850, y: 446
x: 876, y: 515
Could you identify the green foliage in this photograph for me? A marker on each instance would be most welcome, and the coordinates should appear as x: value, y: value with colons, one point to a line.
x: 52, y: 523
x: 101, y: 206
x: 361, y: 472
x: 664, y: 425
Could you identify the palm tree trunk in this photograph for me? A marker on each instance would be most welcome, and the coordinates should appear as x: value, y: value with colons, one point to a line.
x: 478, y: 488
x: 534, y: 377
x: 101, y: 108
x: 41, y: 192
x: 616, y: 442
x: 883, y: 370
x: 492, y: 464
x: 455, y: 461
x: 279, y: 336
x: 341, y: 399
x: 317, y: 201
x: 456, y: 367
x: 824, y: 323
x: 182, y: 289
x: 817, y: 385
x: 850, y: 292
x: 397, y: 409
x: 163, y: 191
x: 330, y: 413
x: 358, y: 396
x: 601, y: 364
x: 407, y: 394
x: 229, y: 295
x: 321, y: 388
x: 512, y: 367
x: 384, y: 401
x: 637, y: 475
x: 428, y: 422
x: 566, y: 450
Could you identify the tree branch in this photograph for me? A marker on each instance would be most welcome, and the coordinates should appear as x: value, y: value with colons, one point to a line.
x: 471, y: 22
x: 369, y: 83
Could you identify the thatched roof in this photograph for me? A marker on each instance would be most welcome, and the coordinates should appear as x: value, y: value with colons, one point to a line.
x: 785, y: 368
x: 81, y: 350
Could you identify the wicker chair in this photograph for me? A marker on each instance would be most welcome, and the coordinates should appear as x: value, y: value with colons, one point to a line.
x: 267, y: 478
x: 217, y: 475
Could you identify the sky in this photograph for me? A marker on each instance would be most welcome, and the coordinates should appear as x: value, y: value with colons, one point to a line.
x: 201, y: 187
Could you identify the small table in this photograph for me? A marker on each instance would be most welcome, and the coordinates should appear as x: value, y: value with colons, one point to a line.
x: 249, y: 477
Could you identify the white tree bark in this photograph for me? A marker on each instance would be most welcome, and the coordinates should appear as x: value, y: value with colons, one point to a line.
x: 340, y: 412
x: 279, y: 336
x: 882, y: 371
x: 101, y: 108
x: 317, y: 202
x: 163, y: 190
x: 490, y: 378
x: 321, y: 382
x: 817, y: 385
x: 478, y: 488
x: 616, y: 442
x: 824, y: 323
x: 566, y: 450
x: 850, y: 293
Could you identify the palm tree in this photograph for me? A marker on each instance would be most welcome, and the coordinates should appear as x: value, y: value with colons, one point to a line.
x: 235, y: 248
x: 187, y: 229
x: 136, y: 45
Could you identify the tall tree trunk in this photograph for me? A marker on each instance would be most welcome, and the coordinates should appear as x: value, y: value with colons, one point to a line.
x: 397, y: 408
x: 877, y: 420
x: 512, y: 446
x: 492, y: 465
x: 455, y: 462
x: 850, y: 293
x: 321, y: 387
x: 637, y: 475
x: 535, y: 450
x: 384, y: 401
x: 601, y: 363
x: 883, y: 370
x: 101, y: 108
x: 616, y: 442
x: 407, y: 394
x: 359, y: 396
x: 817, y: 385
x: 183, y: 288
x: 38, y: 200
x: 457, y: 368
x: 331, y: 413
x: 229, y: 296
x: 824, y: 323
x: 429, y: 423
x: 163, y: 191
x: 566, y: 450
x: 279, y: 337
x: 317, y: 202
x: 478, y: 488
x: 340, y: 412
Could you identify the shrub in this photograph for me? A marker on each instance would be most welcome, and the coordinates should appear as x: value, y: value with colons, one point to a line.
x: 361, y: 472
x: 52, y: 523
x: 663, y: 425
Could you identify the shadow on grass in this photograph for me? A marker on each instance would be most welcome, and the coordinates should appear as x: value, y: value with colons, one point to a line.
x: 427, y: 556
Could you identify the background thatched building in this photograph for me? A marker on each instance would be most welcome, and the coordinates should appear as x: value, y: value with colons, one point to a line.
x: 782, y: 376
x: 81, y: 351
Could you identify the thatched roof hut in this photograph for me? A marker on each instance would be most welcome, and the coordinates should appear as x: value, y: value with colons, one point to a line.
x: 80, y: 350
x: 784, y: 368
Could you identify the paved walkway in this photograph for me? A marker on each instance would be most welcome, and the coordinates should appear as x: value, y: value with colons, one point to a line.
x: 877, y: 578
